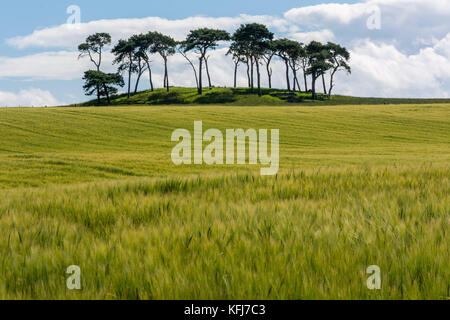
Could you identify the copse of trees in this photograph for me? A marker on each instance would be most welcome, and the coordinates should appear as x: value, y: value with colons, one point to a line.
x: 252, y: 45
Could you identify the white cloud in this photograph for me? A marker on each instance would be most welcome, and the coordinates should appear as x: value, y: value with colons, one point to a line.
x: 346, y: 13
x: 61, y: 65
x: 306, y: 37
x: 322, y: 13
x: 382, y: 70
x: 406, y: 23
x: 64, y: 36
x: 28, y: 98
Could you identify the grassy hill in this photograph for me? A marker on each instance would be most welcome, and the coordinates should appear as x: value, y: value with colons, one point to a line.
x: 245, y: 97
x: 95, y: 187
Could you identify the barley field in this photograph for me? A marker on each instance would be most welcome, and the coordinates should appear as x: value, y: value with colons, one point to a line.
x: 96, y: 187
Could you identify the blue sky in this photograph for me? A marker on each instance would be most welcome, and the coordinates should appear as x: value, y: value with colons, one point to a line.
x: 411, y: 41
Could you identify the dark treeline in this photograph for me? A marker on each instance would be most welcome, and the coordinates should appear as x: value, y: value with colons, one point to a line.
x: 252, y: 46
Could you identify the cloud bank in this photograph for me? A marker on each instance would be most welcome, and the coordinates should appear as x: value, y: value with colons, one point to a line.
x: 28, y: 98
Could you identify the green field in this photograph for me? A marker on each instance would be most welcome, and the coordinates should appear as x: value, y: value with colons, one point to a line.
x: 95, y: 187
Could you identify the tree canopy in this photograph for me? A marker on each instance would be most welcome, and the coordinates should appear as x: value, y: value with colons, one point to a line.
x: 105, y: 83
x: 256, y: 38
x: 200, y: 41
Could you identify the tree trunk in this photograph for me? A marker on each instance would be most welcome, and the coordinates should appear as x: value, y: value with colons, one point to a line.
x: 207, y: 73
x: 294, y: 83
x: 331, y: 82
x: 324, y: 86
x: 193, y: 67
x: 200, y: 80
x: 98, y: 87
x: 306, y: 81
x: 287, y: 75
x: 248, y: 74
x: 252, y: 75
x: 150, y: 76
x: 298, y: 84
x: 258, y: 74
x: 129, y: 81
x: 269, y: 74
x: 236, y: 64
x: 107, y: 94
x: 137, y: 82
x: 167, y: 74
x: 313, y: 86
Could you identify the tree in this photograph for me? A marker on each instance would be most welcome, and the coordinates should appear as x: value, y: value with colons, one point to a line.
x: 93, y: 48
x: 283, y: 47
x: 143, y: 47
x: 139, y: 56
x: 339, y: 58
x: 241, y: 53
x: 125, y: 57
x: 304, y: 64
x: 256, y: 38
x: 165, y: 47
x: 103, y: 83
x: 294, y: 50
x: 200, y: 41
x: 318, y: 64
x: 237, y: 54
x: 270, y: 52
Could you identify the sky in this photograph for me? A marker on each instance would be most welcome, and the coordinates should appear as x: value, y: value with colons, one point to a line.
x: 399, y: 48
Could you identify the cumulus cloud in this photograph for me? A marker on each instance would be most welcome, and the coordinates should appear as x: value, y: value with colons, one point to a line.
x: 28, y: 98
x: 384, y: 71
x: 306, y: 37
x: 61, y: 65
x: 65, y: 36
x: 406, y: 23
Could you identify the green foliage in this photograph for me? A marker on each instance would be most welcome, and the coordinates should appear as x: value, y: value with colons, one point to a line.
x: 200, y: 41
x: 94, y: 45
x: 101, y: 83
x: 286, y: 47
x: 255, y: 37
x: 204, y: 39
x: 252, y: 40
x: 124, y: 54
x: 162, y: 44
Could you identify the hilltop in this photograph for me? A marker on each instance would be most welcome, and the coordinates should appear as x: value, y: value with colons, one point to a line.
x: 245, y: 97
